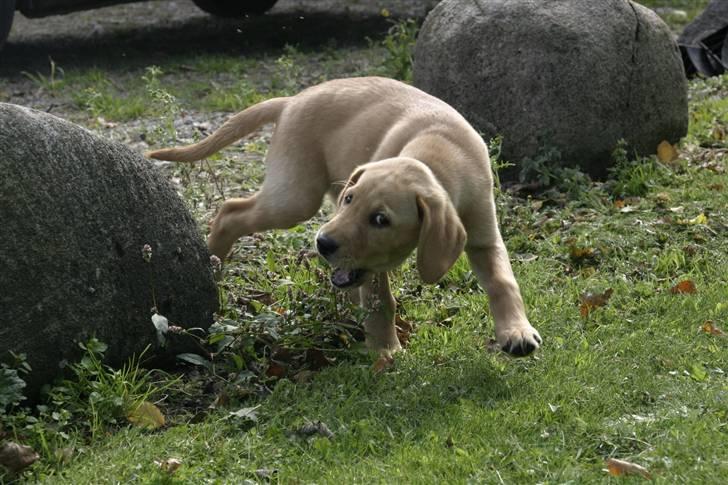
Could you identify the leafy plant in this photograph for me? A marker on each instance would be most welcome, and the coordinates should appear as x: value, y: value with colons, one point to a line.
x: 50, y: 83
x: 163, y: 104
x: 297, y: 323
x: 240, y: 96
x: 103, y: 99
x: 99, y: 396
x: 634, y: 177
x: 11, y: 384
x: 542, y: 168
x: 288, y: 71
x: 399, y: 44
x: 496, y: 162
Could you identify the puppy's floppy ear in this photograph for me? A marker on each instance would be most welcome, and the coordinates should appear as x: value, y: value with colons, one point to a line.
x: 353, y: 179
x: 442, y: 236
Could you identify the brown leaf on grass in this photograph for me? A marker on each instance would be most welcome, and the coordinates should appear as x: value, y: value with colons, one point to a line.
x: 16, y: 457
x: 276, y: 369
x: 666, y: 151
x: 710, y: 328
x: 590, y: 300
x: 577, y: 252
x: 619, y: 468
x: 404, y: 330
x: 221, y: 400
x: 684, y: 287
x: 146, y: 415
x: 619, y: 203
x: 316, y: 359
x: 384, y: 362
x: 169, y: 466
x: 581, y: 255
x: 718, y: 187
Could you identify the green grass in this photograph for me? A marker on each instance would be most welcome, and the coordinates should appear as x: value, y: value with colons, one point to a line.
x: 636, y: 379
x: 683, y: 10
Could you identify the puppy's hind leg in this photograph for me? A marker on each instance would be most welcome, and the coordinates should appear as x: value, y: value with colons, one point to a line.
x: 285, y: 199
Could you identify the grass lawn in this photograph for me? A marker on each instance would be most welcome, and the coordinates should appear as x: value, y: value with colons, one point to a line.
x: 626, y: 280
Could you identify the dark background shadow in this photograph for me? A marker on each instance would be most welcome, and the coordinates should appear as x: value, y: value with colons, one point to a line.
x: 80, y: 42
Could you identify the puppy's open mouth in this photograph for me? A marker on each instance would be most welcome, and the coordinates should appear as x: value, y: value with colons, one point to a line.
x: 347, y: 278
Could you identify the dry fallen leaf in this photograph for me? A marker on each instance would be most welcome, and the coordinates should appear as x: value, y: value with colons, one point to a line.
x: 170, y: 465
x: 383, y: 363
x: 591, y: 300
x: 146, y: 415
x: 404, y: 330
x: 316, y: 359
x: 710, y: 328
x: 684, y: 287
x: 16, y: 457
x: 276, y: 369
x: 620, y: 467
x: 666, y: 151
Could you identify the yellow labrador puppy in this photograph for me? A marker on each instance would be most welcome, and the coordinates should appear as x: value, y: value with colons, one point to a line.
x: 417, y: 176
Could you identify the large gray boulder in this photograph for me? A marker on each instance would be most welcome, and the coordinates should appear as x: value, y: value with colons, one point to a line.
x: 75, y: 213
x: 571, y: 75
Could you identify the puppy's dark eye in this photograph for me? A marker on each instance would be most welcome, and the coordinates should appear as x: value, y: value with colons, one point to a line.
x: 379, y: 220
x: 347, y: 198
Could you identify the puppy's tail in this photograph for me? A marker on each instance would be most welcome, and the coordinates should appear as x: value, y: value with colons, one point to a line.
x: 232, y: 130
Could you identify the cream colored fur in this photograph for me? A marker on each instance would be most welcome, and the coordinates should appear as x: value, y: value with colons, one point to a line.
x: 409, y: 160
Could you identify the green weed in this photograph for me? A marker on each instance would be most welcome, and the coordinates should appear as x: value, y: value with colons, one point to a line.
x: 233, y: 98
x: 399, y: 44
x: 98, y: 396
x: 163, y: 104
x: 635, y: 177
x: 50, y: 83
x: 85, y: 406
x: 12, y: 384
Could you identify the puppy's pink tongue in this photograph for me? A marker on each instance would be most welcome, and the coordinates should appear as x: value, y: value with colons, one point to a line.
x: 341, y: 277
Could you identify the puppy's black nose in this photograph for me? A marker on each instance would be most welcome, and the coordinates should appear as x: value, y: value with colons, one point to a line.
x: 325, y: 245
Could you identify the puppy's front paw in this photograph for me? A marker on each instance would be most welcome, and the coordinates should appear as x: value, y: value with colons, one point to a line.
x: 519, y: 340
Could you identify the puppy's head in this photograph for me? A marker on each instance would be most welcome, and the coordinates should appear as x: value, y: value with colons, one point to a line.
x: 385, y: 211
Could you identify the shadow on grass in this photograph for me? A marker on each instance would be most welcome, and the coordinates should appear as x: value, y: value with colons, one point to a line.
x: 416, y: 399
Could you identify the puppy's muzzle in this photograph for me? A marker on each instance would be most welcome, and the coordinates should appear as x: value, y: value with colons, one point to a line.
x: 326, y: 246
x: 341, y: 278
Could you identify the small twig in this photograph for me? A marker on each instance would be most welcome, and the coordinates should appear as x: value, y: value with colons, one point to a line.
x: 215, y: 179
